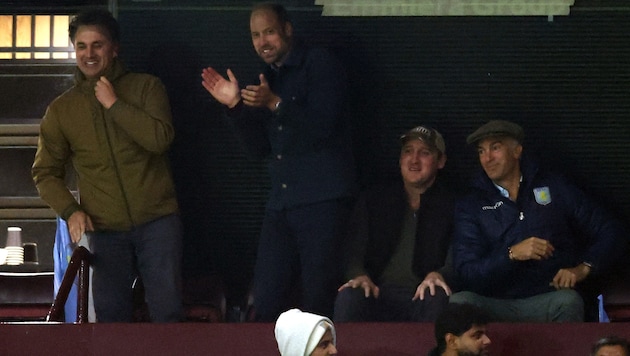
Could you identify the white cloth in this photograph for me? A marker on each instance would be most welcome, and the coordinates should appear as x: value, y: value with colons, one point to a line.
x: 298, y: 332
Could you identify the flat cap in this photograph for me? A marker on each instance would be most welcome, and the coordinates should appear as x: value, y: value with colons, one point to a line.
x: 497, y: 128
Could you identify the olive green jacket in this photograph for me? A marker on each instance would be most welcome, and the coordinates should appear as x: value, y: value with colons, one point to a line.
x: 119, y: 154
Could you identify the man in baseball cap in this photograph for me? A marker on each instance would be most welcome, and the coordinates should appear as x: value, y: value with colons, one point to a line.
x: 400, y: 236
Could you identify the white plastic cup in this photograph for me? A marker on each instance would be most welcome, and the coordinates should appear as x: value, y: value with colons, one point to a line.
x: 3, y: 256
x: 14, y: 236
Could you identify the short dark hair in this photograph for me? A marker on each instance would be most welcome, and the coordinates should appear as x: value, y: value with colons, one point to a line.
x: 279, y: 10
x: 456, y: 319
x: 95, y: 17
x: 611, y: 341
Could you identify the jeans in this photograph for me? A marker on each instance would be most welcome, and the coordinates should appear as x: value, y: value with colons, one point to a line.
x: 564, y: 305
x: 152, y: 250
x: 299, y: 246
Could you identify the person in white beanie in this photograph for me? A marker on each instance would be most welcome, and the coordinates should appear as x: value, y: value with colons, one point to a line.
x: 300, y: 333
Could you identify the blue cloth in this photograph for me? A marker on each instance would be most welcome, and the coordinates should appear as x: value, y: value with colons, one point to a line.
x: 62, y: 252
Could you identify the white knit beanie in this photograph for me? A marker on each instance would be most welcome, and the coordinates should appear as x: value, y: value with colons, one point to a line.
x: 298, y: 332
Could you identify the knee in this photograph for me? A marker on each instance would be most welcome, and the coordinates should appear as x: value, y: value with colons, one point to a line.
x: 350, y: 305
x: 349, y: 296
x: 568, y: 305
x: 463, y: 297
x: 439, y: 297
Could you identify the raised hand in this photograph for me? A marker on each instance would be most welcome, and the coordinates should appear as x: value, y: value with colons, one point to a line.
x: 105, y: 94
x: 259, y: 95
x: 225, y: 91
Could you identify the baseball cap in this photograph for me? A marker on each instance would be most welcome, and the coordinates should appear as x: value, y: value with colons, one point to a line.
x: 429, y: 136
x: 497, y: 128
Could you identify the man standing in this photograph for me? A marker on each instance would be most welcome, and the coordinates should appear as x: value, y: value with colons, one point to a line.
x: 115, y: 128
x: 525, y: 238
x: 460, y: 330
x: 293, y: 117
x: 401, y: 235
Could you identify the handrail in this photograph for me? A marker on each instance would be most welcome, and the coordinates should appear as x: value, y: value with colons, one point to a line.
x: 79, y: 264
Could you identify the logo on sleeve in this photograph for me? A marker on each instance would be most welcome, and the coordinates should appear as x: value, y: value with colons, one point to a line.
x: 542, y: 195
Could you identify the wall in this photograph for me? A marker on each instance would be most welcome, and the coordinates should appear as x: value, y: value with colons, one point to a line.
x: 369, y: 339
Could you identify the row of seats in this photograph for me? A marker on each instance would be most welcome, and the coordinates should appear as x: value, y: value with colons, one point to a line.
x: 29, y: 297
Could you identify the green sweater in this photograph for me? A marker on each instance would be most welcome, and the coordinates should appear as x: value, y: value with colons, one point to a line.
x: 119, y: 154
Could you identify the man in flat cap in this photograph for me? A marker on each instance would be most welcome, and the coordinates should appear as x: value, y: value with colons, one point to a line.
x: 400, y: 236
x: 525, y: 239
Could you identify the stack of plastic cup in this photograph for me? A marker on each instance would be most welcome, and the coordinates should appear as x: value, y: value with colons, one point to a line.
x: 15, y: 250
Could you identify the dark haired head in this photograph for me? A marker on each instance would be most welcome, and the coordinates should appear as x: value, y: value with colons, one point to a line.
x: 97, y: 17
x: 456, y: 319
x: 611, y: 341
x: 279, y: 10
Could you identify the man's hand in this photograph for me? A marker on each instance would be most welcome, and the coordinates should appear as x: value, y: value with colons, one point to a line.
x: 364, y: 282
x: 260, y: 95
x: 534, y: 248
x: 105, y: 94
x: 224, y: 91
x: 569, y: 277
x: 430, y: 281
x: 78, y: 223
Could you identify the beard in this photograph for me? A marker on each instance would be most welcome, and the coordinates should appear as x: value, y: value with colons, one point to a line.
x: 483, y: 352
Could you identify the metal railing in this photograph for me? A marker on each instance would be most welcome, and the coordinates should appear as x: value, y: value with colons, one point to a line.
x: 79, y: 265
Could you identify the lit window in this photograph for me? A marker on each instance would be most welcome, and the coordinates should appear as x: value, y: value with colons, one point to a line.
x: 35, y: 37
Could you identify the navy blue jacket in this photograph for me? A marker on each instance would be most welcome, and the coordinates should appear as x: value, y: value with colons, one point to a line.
x: 307, y: 139
x: 548, y: 207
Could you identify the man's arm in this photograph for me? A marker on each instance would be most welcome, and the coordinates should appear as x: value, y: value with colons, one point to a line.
x: 49, y: 167
x: 603, y: 238
x: 145, y: 118
x: 478, y: 264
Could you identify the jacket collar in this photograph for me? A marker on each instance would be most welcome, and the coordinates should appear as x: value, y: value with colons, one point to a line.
x: 115, y: 71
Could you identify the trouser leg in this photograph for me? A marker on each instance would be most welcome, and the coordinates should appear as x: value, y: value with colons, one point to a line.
x: 113, y: 275
x: 276, y: 263
x: 317, y: 228
x: 159, y: 257
x: 351, y: 305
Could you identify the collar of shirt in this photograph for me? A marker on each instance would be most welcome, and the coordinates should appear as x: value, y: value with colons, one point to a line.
x: 504, y: 191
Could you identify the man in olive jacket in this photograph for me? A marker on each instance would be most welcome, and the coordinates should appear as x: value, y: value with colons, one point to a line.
x: 115, y: 127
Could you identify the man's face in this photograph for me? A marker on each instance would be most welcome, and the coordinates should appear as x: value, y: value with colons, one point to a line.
x: 94, y: 50
x: 611, y: 350
x: 499, y: 157
x: 473, y: 342
x: 419, y: 164
x: 271, y: 39
x: 326, y: 346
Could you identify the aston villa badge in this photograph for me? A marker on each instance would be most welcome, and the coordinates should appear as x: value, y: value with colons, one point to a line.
x: 542, y: 195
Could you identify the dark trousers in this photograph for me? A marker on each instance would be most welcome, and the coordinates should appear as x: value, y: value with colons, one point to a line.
x: 299, y: 246
x: 393, y: 304
x: 152, y: 250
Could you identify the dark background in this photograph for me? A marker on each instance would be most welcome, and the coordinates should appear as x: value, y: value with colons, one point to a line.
x: 566, y: 81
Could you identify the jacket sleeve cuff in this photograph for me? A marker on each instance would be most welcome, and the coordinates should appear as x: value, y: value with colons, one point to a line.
x: 67, y: 213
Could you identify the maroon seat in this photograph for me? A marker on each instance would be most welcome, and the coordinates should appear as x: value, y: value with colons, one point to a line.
x: 616, y: 297
x: 203, y: 298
